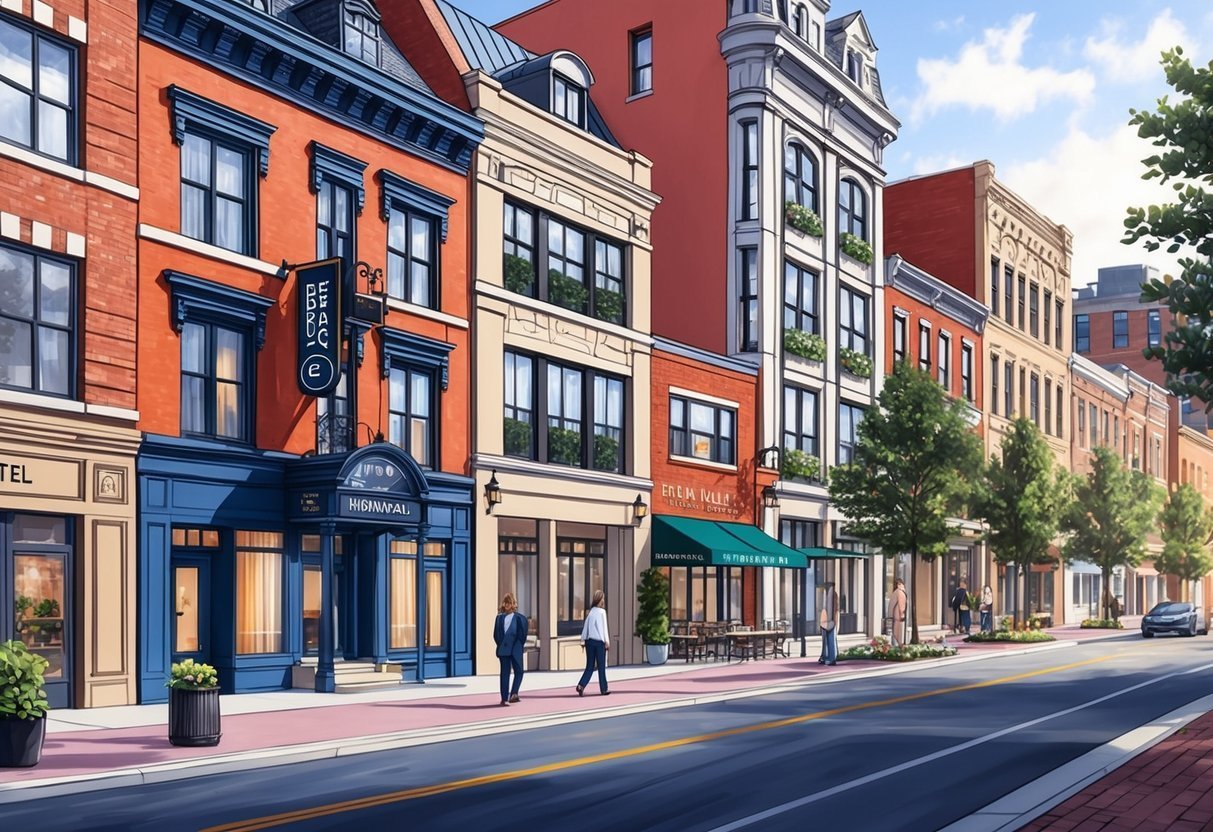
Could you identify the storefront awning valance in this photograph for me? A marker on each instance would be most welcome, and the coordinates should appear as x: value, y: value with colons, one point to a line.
x: 1082, y: 567
x: 685, y: 541
x: 827, y: 553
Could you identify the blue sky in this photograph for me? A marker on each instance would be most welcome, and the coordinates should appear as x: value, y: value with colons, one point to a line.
x: 1042, y: 89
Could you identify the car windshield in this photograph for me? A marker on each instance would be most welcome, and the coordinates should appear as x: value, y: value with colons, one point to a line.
x: 1169, y: 608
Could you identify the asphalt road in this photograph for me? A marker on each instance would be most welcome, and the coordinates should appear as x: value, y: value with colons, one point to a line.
x: 915, y: 751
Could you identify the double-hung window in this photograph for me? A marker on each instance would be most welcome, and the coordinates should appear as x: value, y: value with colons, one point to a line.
x: 1057, y: 431
x: 1034, y: 311
x: 415, y: 367
x: 944, y: 361
x: 563, y: 415
x: 702, y: 430
x: 1008, y: 297
x: 222, y: 153
x: 568, y: 100
x: 1120, y: 330
x: 995, y: 267
x: 749, y: 170
x: 1057, y: 319
x: 1008, y: 393
x: 1048, y: 310
x: 799, y: 298
x: 642, y: 61
x: 37, y: 322
x: 853, y: 320
x: 1082, y: 333
x: 337, y: 180
x: 417, y: 222
x: 747, y: 311
x: 994, y: 384
x: 924, y: 346
x: 1048, y: 425
x: 800, y: 420
x: 1154, y: 324
x: 38, y: 89
x: 1082, y: 423
x: 849, y: 417
x: 852, y: 209
x: 966, y: 371
x: 221, y: 329
x: 900, y: 342
x: 1019, y: 309
x: 580, y: 571
x: 799, y: 177
x: 557, y: 264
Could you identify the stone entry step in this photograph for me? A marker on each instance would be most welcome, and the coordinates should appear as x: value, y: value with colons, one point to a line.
x: 349, y: 676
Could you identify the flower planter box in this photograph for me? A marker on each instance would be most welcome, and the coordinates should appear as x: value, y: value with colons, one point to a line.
x: 21, y: 742
x: 193, y: 717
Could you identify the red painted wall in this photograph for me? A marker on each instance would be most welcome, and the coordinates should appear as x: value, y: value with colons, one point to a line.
x: 681, y: 127
x: 106, y: 275
x: 286, y: 418
x: 931, y: 221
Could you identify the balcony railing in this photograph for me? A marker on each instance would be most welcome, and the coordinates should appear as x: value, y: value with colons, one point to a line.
x: 334, y: 433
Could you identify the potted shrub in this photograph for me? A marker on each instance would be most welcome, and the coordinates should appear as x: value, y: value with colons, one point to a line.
x: 803, y: 219
x: 23, y: 705
x: 856, y: 247
x: 653, y: 616
x: 193, y: 704
x: 855, y: 363
x: 808, y: 345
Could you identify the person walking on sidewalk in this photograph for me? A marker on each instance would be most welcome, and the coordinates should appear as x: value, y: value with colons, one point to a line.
x: 960, y: 608
x: 987, y: 609
x: 509, y: 633
x: 898, y: 604
x: 829, y: 626
x: 596, y: 641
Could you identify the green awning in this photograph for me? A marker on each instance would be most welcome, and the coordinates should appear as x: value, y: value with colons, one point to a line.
x: 684, y: 541
x: 826, y: 553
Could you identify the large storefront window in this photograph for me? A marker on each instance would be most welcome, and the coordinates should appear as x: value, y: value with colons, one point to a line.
x: 958, y: 566
x: 42, y: 596
x: 403, y: 621
x: 518, y: 566
x: 581, y: 571
x: 402, y: 579
x: 704, y: 593
x: 1040, y: 591
x: 259, y: 588
x: 799, y: 534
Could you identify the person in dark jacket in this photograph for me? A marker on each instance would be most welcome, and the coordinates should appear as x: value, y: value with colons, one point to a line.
x: 962, y: 619
x: 509, y: 633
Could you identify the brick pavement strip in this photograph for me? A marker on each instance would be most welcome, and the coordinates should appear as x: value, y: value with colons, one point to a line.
x: 1139, y: 795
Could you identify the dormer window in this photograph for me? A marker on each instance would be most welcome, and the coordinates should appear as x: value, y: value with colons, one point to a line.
x: 854, y: 66
x: 361, y: 36
x: 568, y: 100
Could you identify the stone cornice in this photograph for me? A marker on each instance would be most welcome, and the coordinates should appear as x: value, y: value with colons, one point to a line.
x: 928, y: 289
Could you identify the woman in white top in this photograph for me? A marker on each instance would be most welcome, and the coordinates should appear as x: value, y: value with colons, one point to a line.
x: 596, y: 641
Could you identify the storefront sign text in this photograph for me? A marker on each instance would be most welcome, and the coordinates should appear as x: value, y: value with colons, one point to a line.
x: 33, y: 477
x: 357, y: 506
x: 309, y: 502
x: 319, y: 343
x: 700, y: 499
x: 11, y: 472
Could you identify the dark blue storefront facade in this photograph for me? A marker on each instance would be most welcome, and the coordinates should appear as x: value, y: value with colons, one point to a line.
x: 237, y: 547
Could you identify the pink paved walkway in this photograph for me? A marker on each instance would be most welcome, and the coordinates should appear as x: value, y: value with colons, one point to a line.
x: 99, y: 750
x: 1168, y: 788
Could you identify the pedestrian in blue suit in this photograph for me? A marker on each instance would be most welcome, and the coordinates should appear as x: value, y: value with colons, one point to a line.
x: 509, y: 633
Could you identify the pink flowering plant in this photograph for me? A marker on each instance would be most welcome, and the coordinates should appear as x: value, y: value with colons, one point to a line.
x: 191, y: 675
x: 882, y: 650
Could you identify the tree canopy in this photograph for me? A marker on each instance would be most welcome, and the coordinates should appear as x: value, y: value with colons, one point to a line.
x: 1185, y: 161
x: 1022, y: 500
x: 916, y: 461
x: 1186, y: 527
x: 1113, y: 510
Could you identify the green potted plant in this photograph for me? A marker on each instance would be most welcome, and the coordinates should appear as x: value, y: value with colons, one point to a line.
x: 46, y: 620
x: 519, y: 275
x: 855, y: 363
x: 23, y: 705
x: 653, y: 615
x: 856, y: 247
x: 803, y: 219
x: 193, y: 704
x: 565, y: 291
x: 808, y: 345
x: 797, y: 465
x: 608, y: 305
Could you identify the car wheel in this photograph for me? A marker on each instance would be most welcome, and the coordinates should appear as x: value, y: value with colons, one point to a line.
x: 1146, y: 634
x: 1192, y: 630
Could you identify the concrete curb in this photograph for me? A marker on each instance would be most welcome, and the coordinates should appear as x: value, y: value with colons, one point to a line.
x: 1026, y: 804
x: 16, y: 792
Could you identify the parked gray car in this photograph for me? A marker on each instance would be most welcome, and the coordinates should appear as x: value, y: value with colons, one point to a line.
x: 1177, y: 617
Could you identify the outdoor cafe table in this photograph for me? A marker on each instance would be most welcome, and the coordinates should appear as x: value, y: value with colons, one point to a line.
x: 760, y: 635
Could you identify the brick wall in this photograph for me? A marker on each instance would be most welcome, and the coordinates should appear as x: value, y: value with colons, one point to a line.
x: 930, y: 221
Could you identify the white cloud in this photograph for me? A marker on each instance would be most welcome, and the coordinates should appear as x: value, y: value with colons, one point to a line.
x: 990, y: 75
x: 934, y: 163
x: 948, y: 25
x: 1086, y: 182
x: 1125, y: 61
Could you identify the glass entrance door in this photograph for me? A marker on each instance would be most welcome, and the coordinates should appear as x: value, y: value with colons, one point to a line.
x: 191, y: 608
x: 42, y: 621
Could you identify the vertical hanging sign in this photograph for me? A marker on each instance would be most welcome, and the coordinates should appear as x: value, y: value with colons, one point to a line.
x: 318, y: 293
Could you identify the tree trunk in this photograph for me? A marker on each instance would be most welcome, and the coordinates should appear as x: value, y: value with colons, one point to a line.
x: 914, y: 595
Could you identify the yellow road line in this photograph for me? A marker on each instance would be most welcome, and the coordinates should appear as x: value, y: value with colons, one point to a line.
x: 484, y: 780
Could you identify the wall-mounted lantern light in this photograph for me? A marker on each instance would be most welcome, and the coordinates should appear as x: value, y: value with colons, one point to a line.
x: 492, y: 493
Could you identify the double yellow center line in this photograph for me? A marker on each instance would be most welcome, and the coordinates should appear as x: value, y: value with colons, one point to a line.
x: 484, y: 780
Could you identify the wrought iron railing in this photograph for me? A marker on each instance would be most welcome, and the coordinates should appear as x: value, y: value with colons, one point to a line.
x: 334, y: 433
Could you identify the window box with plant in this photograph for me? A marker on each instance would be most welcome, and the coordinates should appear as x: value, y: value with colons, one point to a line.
x: 854, y: 362
x: 796, y: 464
x: 803, y: 219
x: 519, y: 275
x: 564, y: 446
x: 808, y: 345
x: 565, y: 291
x: 856, y: 247
x: 193, y: 704
x: 23, y: 705
x: 653, y: 615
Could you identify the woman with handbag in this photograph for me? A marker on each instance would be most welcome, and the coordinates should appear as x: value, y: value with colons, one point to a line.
x: 960, y: 608
x: 987, y: 609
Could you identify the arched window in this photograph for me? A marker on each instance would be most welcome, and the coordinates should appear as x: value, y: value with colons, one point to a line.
x: 799, y: 177
x: 852, y: 209
x: 798, y: 21
x: 782, y: 7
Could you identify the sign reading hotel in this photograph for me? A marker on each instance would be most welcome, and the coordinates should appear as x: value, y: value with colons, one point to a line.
x: 318, y: 289
x: 706, y: 500
x: 35, y: 477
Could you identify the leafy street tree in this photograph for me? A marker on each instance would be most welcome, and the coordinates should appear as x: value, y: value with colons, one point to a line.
x: 1022, y: 502
x: 915, y: 462
x: 1187, y: 528
x: 1186, y: 161
x: 1113, y: 510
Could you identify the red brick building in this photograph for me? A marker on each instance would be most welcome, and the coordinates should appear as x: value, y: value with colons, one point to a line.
x: 69, y: 192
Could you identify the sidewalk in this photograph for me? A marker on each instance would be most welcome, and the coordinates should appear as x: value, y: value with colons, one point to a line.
x: 1167, y: 787
x: 104, y: 748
